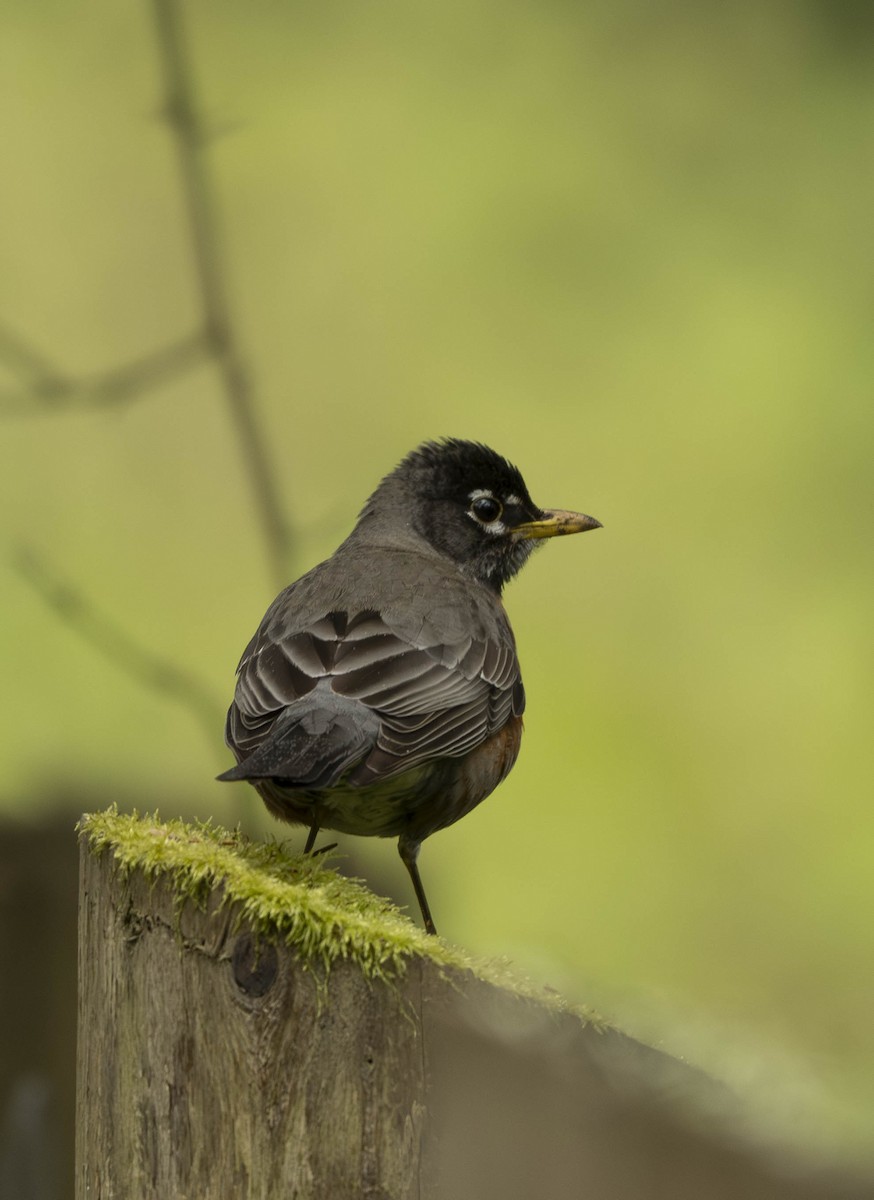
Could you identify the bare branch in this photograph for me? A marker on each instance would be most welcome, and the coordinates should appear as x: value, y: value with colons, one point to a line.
x: 142, y: 666
x: 28, y: 363
x: 111, y: 387
x: 181, y: 111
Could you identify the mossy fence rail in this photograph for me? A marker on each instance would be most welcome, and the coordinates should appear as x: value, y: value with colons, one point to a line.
x: 252, y: 1027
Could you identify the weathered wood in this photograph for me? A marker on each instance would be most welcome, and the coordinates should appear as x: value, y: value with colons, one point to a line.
x: 205, y: 1071
x: 212, y: 1067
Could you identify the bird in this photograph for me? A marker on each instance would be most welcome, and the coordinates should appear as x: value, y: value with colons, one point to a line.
x: 381, y: 695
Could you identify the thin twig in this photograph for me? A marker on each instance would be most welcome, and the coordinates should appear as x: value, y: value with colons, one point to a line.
x: 112, y: 387
x: 181, y: 111
x: 28, y: 363
x: 145, y: 668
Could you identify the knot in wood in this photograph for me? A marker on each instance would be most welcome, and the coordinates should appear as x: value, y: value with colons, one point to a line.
x: 255, y: 965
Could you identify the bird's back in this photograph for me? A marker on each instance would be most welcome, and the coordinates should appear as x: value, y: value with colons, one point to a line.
x: 370, y: 674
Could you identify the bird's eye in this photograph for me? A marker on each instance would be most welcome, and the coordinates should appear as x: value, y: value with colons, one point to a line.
x: 486, y: 509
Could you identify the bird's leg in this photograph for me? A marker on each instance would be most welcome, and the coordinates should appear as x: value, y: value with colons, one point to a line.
x: 311, y: 838
x: 313, y: 834
x: 409, y: 852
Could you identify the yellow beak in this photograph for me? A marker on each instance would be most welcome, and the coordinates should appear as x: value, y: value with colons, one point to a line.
x: 556, y: 523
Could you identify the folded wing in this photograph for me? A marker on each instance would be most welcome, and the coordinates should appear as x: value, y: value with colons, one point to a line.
x: 348, y: 698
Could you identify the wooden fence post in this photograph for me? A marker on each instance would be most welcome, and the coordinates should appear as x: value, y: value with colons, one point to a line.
x: 216, y: 1062
x: 211, y: 1065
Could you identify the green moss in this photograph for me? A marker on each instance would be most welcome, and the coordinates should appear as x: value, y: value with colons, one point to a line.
x: 291, y: 898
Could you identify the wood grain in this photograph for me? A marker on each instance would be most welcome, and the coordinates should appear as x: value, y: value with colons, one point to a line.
x: 205, y: 1072
x: 211, y: 1066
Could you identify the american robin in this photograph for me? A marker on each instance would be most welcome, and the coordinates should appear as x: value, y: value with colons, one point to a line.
x: 382, y: 695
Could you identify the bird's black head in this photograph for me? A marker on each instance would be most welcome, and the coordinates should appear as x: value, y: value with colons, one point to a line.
x: 470, y: 504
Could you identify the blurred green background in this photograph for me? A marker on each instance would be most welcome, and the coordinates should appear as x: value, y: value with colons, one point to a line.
x: 630, y: 247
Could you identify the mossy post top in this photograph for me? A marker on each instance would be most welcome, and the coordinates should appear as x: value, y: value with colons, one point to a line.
x: 289, y: 898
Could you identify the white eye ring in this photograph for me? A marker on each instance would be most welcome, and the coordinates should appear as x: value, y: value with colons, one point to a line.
x: 490, y: 511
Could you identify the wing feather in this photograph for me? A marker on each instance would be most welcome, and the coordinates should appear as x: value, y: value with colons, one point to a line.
x: 404, y: 701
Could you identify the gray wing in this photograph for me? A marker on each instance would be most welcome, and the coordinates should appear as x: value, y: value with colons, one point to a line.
x: 350, y: 697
